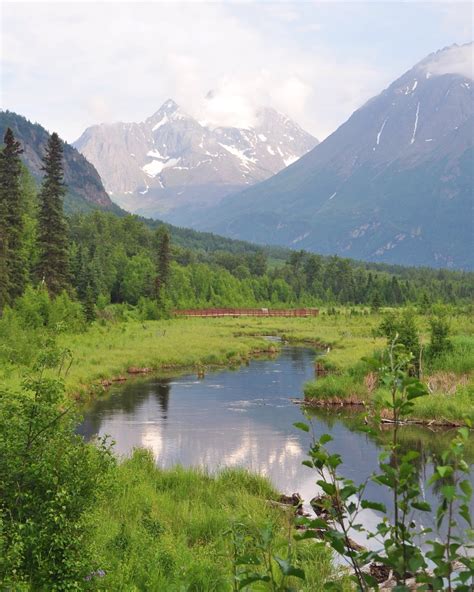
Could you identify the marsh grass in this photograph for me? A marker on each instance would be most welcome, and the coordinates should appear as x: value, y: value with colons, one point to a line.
x: 336, y: 390
x: 166, y: 529
x: 460, y: 360
x: 450, y: 376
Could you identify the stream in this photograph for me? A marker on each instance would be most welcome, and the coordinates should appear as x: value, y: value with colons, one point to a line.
x: 244, y: 417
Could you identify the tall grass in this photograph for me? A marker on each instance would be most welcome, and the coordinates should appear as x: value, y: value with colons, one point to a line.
x: 460, y: 360
x: 166, y: 529
x: 336, y: 389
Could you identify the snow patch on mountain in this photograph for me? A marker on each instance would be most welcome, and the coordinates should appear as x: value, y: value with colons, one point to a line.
x: 162, y: 121
x: 172, y: 150
x: 412, y: 141
x: 379, y: 134
x: 155, y: 167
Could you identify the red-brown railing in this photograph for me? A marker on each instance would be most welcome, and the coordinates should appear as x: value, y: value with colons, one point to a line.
x: 247, y: 312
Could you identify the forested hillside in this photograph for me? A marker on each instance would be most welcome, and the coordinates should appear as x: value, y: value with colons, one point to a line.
x: 85, y: 190
x: 101, y: 258
x: 118, y: 256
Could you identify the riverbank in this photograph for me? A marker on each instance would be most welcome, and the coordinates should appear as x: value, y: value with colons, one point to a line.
x: 347, y: 381
x: 105, y: 353
x: 117, y: 350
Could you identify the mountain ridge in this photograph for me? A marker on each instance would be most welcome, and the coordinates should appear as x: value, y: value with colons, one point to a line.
x: 391, y: 184
x: 171, y: 161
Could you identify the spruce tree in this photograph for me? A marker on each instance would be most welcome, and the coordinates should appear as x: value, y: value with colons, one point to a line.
x: 4, y: 275
x: 163, y: 260
x: 11, y: 221
x: 52, y: 232
x: 89, y: 305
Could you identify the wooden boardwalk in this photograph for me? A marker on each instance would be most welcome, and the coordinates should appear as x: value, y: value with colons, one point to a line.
x: 247, y: 312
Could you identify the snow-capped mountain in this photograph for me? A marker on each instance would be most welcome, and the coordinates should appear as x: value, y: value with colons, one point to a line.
x: 394, y: 183
x: 171, y: 162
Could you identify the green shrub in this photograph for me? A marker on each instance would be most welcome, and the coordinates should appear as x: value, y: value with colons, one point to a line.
x: 50, y: 480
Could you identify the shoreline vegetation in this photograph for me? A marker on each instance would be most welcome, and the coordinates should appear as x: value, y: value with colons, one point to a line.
x: 345, y: 378
x: 114, y: 351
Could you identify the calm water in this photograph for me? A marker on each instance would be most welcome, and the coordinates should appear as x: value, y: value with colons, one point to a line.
x: 243, y: 417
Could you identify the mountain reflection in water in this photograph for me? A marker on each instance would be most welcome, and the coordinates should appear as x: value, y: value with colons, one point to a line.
x: 244, y: 417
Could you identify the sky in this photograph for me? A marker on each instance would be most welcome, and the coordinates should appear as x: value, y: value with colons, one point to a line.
x: 69, y: 65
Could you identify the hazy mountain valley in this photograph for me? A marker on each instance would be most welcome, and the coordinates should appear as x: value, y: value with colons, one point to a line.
x: 234, y: 357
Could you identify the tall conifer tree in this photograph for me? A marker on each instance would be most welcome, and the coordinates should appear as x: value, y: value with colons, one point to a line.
x: 12, y: 262
x: 4, y: 275
x: 163, y: 260
x: 53, y: 261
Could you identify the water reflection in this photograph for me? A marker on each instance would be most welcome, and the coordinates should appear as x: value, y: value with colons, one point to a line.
x: 245, y: 418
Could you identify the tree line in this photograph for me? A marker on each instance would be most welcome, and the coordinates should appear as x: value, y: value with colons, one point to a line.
x: 100, y: 258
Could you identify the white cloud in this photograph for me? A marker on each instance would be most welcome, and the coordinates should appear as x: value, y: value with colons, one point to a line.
x: 72, y: 65
x: 454, y: 60
x: 69, y: 65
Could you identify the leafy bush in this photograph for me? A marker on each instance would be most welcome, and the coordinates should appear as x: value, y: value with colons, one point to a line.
x: 25, y: 328
x: 402, y: 327
x: 49, y: 481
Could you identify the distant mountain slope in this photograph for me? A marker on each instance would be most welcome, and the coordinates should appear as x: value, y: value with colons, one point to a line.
x: 393, y: 184
x: 85, y: 189
x: 171, y: 162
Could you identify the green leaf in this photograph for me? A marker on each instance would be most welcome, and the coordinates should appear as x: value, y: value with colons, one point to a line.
x: 370, y: 580
x: 444, y: 471
x: 465, y: 513
x: 368, y: 505
x: 415, y: 390
x: 317, y: 523
x: 449, y: 492
x: 325, y: 438
x: 347, y: 491
x: 289, y: 570
x: 466, y: 488
x: 250, y: 579
x: 300, y: 425
x: 306, y: 534
x: 328, y: 488
x: 410, y: 456
x: 422, y: 506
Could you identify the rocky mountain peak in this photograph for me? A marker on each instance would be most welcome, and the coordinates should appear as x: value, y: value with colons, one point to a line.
x: 171, y: 161
x: 170, y: 111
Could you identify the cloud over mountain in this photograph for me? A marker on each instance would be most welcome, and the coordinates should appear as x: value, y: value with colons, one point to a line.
x: 453, y: 60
